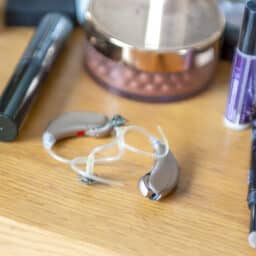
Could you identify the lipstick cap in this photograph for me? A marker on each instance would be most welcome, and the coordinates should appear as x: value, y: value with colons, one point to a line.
x: 247, y: 39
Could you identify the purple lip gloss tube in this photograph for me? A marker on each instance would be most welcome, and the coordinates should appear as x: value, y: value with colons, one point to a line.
x: 242, y: 96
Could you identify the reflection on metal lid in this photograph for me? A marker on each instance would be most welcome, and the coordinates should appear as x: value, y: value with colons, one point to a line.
x: 157, y: 24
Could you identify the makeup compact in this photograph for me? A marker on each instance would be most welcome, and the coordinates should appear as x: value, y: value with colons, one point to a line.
x: 151, y: 50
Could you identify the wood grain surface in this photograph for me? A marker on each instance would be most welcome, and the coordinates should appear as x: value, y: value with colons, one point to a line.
x: 45, y: 210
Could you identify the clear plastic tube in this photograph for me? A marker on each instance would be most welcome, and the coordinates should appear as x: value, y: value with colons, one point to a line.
x: 90, y: 161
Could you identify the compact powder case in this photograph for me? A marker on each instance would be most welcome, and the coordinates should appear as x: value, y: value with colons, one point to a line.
x: 152, y: 50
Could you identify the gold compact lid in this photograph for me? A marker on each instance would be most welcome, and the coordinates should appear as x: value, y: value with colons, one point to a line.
x: 120, y: 28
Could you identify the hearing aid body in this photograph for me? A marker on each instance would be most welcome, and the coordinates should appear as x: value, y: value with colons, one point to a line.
x: 162, y: 178
x: 157, y: 183
x: 75, y: 124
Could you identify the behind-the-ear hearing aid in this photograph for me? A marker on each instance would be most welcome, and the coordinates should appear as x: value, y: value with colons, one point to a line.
x: 157, y: 183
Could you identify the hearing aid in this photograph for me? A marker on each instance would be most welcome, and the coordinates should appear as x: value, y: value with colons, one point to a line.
x: 156, y: 184
x: 162, y: 178
x: 78, y: 124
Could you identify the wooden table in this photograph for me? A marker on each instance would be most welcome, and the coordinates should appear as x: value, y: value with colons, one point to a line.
x: 45, y: 210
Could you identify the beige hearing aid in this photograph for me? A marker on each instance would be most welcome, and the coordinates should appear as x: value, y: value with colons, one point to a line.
x: 156, y: 184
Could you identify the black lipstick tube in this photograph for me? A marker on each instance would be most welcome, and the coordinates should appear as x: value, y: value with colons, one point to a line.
x: 23, y: 87
x: 252, y: 188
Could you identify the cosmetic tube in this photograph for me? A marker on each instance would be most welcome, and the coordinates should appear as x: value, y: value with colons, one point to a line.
x: 241, y: 98
x: 23, y: 87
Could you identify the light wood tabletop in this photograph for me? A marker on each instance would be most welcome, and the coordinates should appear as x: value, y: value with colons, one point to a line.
x: 45, y: 209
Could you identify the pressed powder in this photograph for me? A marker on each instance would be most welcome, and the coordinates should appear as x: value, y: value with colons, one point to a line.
x: 153, y: 52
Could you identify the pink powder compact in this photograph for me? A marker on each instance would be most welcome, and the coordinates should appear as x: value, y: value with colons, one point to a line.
x: 150, y: 50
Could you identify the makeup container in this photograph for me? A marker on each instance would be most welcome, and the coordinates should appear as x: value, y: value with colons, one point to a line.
x: 153, y: 50
x: 27, y: 79
x: 241, y: 99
